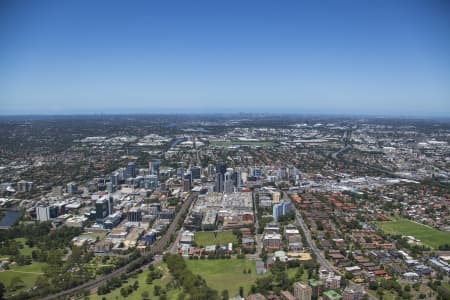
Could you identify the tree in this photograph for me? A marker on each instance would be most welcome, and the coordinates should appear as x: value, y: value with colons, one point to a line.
x: 130, y: 289
x: 373, y: 285
x: 225, y: 295
x: 380, y: 293
x: 194, y: 285
x: 157, y: 290
x: 145, y: 295
x: 77, y: 253
x: 16, y: 283
x: 123, y: 292
x: 103, y: 289
x: 2, y: 290
x: 310, y: 273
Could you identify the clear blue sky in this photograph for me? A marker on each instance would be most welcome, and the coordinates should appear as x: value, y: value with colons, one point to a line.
x: 89, y: 56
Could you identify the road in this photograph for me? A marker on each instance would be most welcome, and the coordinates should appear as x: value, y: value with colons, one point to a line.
x: 342, y: 150
x: 157, y: 248
x: 174, y: 247
x: 324, y: 263
x: 336, y: 155
x: 161, y: 244
x: 258, y: 237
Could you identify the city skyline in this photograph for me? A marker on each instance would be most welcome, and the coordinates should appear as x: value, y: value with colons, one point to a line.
x: 384, y: 58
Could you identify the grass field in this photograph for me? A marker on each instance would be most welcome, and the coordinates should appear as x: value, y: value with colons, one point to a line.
x: 27, y: 273
x: 25, y: 250
x: 428, y: 236
x: 93, y: 235
x: 225, y: 274
x: 446, y: 285
x: 242, y: 143
x: 220, y: 274
x: 293, y: 271
x: 214, y: 238
x: 387, y: 295
x: 143, y: 286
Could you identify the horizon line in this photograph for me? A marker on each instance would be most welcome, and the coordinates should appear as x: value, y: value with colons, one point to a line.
x: 392, y: 115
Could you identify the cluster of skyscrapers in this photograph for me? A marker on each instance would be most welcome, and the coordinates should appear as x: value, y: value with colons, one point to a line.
x: 227, y: 179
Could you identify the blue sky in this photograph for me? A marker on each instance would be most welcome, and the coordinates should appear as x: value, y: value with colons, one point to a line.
x: 370, y: 57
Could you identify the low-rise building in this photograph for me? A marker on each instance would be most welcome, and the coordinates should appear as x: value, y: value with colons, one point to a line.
x: 103, y: 246
x: 331, y: 295
x: 272, y: 241
x: 286, y: 295
x: 133, y: 237
x: 76, y: 221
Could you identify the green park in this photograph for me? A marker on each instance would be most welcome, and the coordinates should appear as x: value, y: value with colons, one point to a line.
x: 427, y: 235
x: 203, y: 239
x: 225, y: 274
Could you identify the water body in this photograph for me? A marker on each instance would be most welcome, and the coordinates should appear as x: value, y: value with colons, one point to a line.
x: 9, y: 218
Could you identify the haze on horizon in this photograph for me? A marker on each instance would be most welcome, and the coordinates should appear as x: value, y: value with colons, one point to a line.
x: 344, y: 57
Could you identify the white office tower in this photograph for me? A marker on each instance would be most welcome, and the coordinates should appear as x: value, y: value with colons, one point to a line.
x: 244, y: 176
x: 43, y: 213
x: 228, y: 186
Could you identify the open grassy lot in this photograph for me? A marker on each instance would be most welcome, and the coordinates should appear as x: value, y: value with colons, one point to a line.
x: 93, y: 235
x: 220, y: 274
x: 387, y: 295
x: 143, y: 286
x: 293, y: 271
x: 446, y: 285
x: 427, y: 235
x: 214, y: 238
x: 25, y: 250
x: 225, y: 274
x: 98, y: 262
x: 242, y: 143
x: 28, y: 274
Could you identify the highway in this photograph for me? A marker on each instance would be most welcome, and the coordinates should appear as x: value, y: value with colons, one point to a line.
x: 342, y: 150
x: 336, y: 155
x: 157, y: 248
